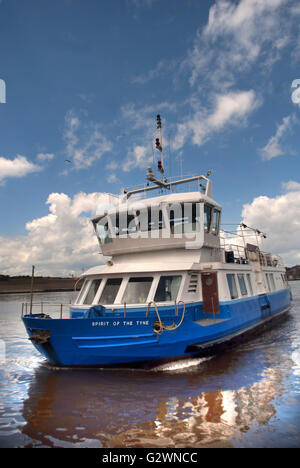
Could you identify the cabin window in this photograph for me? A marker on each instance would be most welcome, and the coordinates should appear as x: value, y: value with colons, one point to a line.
x: 137, y: 290
x: 110, y: 291
x: 92, y: 291
x: 268, y: 282
x: 207, y: 217
x: 150, y: 219
x: 232, y: 286
x: 167, y: 289
x: 272, y: 282
x: 242, y: 284
x: 102, y: 230
x: 123, y: 224
x: 284, y: 279
x: 215, y: 222
x: 83, y: 291
x: 177, y: 218
x: 249, y: 283
x: 184, y: 217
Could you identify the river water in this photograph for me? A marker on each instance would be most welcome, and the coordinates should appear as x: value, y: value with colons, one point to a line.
x: 248, y: 396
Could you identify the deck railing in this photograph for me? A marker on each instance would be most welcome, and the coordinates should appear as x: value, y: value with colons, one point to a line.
x: 234, y: 253
x: 245, y: 245
x: 46, y: 308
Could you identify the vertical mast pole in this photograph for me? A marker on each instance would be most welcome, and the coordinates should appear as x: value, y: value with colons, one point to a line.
x: 31, y: 289
x: 159, y: 146
x: 162, y: 154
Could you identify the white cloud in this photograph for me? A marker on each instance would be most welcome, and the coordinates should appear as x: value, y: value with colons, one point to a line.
x: 112, y: 179
x: 138, y: 157
x: 162, y: 67
x: 229, y: 109
x: 45, y: 156
x: 60, y: 243
x: 278, y: 218
x: 85, y: 142
x: 237, y: 35
x: 17, y: 167
x: 291, y: 186
x: 274, y: 146
x: 113, y: 165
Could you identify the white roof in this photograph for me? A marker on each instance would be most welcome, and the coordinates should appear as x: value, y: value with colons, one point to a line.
x: 170, y: 198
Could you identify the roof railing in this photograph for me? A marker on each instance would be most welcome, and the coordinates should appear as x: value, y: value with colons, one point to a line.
x: 159, y: 184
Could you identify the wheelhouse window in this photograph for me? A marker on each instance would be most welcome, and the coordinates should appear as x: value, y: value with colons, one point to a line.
x: 92, y: 291
x: 110, y: 291
x: 215, y: 222
x: 122, y: 224
x: 150, y: 219
x: 232, y: 286
x: 82, y: 291
x: 207, y: 217
x: 114, y: 225
x: 167, y: 289
x: 137, y: 290
x: 242, y: 284
x: 184, y: 217
x: 102, y: 230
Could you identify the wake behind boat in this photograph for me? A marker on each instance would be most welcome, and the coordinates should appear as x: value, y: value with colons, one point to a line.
x: 174, y: 287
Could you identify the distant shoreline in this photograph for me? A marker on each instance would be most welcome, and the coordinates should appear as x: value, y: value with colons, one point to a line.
x: 13, y: 285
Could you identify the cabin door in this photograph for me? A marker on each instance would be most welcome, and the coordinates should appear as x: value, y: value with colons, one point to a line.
x: 210, y: 293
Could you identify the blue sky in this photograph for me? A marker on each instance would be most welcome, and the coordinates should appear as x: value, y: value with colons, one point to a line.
x: 84, y: 82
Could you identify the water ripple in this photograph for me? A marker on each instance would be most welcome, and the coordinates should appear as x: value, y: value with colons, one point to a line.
x: 245, y: 397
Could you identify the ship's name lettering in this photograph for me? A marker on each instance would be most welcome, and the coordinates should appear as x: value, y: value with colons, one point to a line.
x: 122, y: 323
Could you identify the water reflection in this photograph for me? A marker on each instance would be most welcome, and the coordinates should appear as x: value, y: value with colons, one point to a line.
x: 145, y: 409
x: 249, y: 396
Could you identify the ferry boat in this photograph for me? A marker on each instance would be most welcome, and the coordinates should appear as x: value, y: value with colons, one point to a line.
x: 174, y: 287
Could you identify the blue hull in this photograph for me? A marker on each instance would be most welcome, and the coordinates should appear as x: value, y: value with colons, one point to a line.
x: 112, y: 339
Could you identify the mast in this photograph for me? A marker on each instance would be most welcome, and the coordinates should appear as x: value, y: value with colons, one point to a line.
x: 164, y: 183
x: 159, y: 146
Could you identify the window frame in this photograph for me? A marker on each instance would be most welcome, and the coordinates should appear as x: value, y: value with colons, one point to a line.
x: 161, y: 220
x: 242, y: 276
x: 122, y: 293
x: 236, y: 287
x: 179, y: 226
x: 179, y: 292
x: 216, y: 231
x: 88, y: 290
x: 83, y: 291
x: 208, y: 228
x: 249, y: 281
x: 272, y: 282
x: 268, y: 284
x: 108, y: 239
x: 100, y: 291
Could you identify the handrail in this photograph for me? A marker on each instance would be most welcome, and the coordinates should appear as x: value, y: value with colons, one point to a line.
x: 25, y: 307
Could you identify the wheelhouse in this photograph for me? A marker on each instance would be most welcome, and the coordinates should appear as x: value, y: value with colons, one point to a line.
x: 164, y: 222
